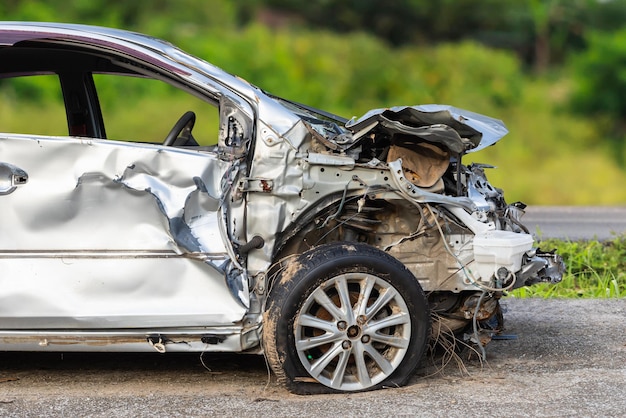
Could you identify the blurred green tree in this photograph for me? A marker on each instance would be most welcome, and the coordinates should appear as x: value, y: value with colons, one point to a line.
x: 542, y: 32
x: 600, y: 86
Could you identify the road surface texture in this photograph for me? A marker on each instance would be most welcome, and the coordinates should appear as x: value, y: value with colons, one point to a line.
x: 576, y: 222
x: 568, y: 359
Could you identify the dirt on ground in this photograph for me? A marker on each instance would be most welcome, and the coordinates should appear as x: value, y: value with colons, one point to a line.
x: 560, y: 358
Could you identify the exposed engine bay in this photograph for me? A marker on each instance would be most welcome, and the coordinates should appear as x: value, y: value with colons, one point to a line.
x: 467, y: 245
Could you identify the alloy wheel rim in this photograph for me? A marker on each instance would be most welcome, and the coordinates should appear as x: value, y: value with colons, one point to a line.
x: 353, y: 331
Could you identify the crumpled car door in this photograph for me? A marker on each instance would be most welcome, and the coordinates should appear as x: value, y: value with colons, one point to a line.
x: 101, y: 234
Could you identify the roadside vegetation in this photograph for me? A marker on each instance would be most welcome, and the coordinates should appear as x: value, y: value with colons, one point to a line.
x: 593, y: 270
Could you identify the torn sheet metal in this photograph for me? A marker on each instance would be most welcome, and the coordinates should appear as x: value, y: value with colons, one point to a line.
x: 458, y: 130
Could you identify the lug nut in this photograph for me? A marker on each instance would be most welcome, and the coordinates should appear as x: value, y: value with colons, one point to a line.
x: 342, y: 325
x: 365, y: 339
x: 346, y: 345
x: 354, y: 331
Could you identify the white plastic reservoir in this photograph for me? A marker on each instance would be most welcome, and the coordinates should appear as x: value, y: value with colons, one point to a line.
x: 495, y: 249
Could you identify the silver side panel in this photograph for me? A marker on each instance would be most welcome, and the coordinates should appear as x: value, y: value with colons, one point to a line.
x: 215, y: 339
x: 88, y: 220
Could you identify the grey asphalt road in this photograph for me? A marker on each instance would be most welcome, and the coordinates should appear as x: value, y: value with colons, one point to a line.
x: 564, y: 358
x: 576, y: 222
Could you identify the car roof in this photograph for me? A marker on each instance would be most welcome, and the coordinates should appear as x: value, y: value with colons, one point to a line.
x: 20, y: 31
x: 150, y: 49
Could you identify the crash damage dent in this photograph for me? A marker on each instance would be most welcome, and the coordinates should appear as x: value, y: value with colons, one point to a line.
x: 494, y: 245
x: 394, y: 179
x: 165, y: 204
x: 457, y: 129
x: 273, y: 190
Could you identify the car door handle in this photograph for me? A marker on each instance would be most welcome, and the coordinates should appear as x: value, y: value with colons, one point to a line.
x: 11, y: 177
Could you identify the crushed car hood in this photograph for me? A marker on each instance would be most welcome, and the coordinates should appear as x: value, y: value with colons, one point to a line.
x: 461, y: 131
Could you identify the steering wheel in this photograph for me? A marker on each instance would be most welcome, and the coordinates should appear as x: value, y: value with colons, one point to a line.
x: 182, y: 128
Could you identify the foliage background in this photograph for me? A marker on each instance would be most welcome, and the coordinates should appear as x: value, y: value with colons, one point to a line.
x: 553, y: 70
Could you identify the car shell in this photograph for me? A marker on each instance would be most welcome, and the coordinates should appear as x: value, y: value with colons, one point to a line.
x: 127, y: 246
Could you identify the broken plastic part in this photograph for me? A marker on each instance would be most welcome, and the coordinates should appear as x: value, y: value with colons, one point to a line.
x: 212, y: 339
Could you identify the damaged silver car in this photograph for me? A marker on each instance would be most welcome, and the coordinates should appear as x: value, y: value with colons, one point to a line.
x: 323, y: 243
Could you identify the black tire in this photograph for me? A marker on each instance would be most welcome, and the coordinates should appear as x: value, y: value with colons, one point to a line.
x: 315, y: 345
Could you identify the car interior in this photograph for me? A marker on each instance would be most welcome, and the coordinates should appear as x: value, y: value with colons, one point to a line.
x: 83, y: 84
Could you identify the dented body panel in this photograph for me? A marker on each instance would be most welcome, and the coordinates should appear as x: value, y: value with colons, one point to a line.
x: 124, y: 246
x: 121, y: 235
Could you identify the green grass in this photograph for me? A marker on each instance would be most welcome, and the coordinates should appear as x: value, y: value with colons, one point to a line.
x: 594, y: 269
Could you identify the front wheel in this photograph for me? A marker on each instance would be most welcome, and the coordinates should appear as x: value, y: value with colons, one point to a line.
x: 345, y: 317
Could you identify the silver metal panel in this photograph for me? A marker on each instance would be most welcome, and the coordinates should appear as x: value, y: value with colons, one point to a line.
x: 94, y: 218
x: 67, y: 292
x: 215, y: 339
